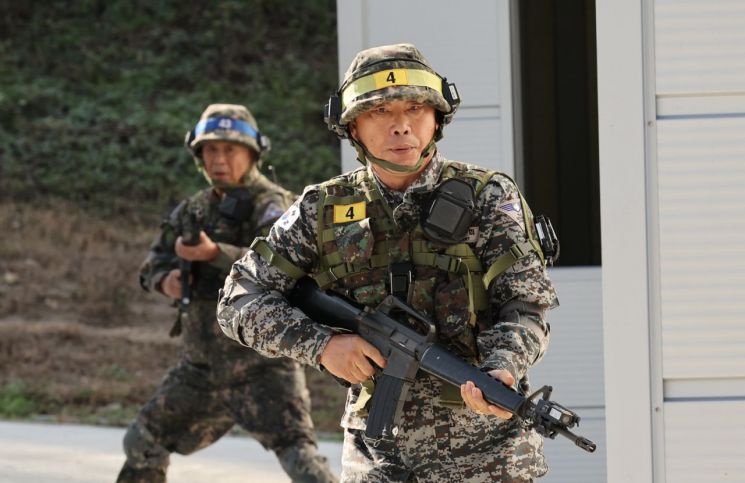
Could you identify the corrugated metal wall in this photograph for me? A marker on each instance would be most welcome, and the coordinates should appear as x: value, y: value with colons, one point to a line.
x: 700, y: 167
x: 573, y: 366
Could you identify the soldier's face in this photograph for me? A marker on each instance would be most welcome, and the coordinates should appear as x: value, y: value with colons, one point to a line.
x: 226, y: 161
x: 396, y: 131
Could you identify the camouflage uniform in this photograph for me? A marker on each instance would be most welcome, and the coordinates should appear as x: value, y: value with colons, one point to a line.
x: 217, y: 383
x: 438, y: 438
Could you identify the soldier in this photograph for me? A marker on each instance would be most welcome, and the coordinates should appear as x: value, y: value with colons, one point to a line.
x: 456, y: 241
x: 217, y: 383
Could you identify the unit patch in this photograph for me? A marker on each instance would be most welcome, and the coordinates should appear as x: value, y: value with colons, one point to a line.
x: 513, y: 209
x: 351, y: 212
x: 271, y: 213
x: 289, y: 218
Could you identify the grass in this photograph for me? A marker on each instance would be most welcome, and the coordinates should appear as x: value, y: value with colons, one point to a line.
x: 79, y: 340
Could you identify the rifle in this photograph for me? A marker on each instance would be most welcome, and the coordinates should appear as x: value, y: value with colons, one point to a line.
x: 407, y: 350
x: 189, y: 237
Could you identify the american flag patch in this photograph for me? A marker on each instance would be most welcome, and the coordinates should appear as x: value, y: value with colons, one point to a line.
x: 513, y: 209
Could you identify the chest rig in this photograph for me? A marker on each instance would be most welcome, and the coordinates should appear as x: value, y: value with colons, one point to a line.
x: 365, y: 256
x: 228, y: 220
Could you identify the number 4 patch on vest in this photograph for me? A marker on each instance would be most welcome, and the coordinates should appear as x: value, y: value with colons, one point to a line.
x: 351, y: 212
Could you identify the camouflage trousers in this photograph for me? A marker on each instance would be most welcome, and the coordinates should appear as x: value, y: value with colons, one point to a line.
x: 188, y: 412
x: 443, y: 443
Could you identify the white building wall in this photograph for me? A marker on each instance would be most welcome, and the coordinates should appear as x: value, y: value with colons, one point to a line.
x: 573, y: 366
x: 672, y: 117
x: 622, y: 134
x: 700, y: 162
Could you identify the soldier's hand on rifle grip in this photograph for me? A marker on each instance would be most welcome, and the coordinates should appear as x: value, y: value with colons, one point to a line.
x: 349, y: 356
x: 205, y: 251
x: 474, y: 399
x: 171, y: 284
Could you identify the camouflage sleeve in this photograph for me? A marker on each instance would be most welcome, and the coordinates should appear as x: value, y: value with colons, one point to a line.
x: 162, y: 258
x: 227, y: 256
x: 264, y: 216
x: 516, y: 335
x: 252, y: 307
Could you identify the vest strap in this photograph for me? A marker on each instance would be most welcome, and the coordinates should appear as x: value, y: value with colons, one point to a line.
x: 507, y: 259
x: 273, y: 258
x: 334, y: 272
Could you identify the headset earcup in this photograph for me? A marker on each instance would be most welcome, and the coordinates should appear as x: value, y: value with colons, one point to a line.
x: 332, y: 113
x: 265, y: 144
x: 188, y: 140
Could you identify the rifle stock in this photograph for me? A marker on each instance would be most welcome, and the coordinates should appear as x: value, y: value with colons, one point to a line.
x: 407, y: 350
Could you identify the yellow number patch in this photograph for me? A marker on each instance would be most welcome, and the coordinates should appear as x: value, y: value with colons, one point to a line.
x: 392, y: 77
x: 347, y: 213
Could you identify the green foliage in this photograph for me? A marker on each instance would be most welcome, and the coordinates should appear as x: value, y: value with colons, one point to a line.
x: 14, y: 400
x: 95, y: 96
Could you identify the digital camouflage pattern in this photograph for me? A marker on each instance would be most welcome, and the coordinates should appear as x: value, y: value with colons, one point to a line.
x: 435, y: 437
x: 445, y: 443
x: 398, y: 56
x: 217, y: 383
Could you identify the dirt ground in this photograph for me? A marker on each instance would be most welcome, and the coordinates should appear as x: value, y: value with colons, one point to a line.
x: 79, y: 340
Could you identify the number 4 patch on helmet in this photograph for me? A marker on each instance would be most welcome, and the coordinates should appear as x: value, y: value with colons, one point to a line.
x: 391, y: 77
x: 351, y: 212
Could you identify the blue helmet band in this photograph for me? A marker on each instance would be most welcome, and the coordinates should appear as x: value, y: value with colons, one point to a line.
x: 227, y: 124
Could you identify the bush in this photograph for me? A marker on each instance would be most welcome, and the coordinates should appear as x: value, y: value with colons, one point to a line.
x: 95, y: 96
x: 14, y: 402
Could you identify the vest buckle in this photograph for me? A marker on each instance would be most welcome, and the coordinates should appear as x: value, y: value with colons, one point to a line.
x: 400, y: 279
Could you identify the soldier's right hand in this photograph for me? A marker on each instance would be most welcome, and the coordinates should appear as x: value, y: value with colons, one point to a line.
x: 171, y: 284
x: 348, y: 357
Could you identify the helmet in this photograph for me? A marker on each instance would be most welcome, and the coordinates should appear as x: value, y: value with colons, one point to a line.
x: 226, y: 122
x: 389, y: 72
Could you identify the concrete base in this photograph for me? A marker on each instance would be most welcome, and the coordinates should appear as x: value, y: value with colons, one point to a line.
x: 51, y: 453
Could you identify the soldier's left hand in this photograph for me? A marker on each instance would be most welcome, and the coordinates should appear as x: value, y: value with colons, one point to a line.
x: 474, y: 398
x: 205, y: 251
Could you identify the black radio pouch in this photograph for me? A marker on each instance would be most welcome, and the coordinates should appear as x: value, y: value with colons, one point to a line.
x: 449, y: 213
x: 236, y: 205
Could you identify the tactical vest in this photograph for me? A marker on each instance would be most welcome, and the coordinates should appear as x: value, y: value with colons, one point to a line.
x: 208, y: 279
x: 365, y: 256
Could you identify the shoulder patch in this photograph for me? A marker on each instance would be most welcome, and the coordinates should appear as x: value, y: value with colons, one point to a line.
x: 513, y: 209
x: 289, y: 217
x: 271, y: 213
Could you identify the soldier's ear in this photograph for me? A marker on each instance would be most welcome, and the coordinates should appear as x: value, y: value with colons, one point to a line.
x: 353, y: 129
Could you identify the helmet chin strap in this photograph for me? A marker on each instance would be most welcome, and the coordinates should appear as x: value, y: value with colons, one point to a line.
x: 363, y: 154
